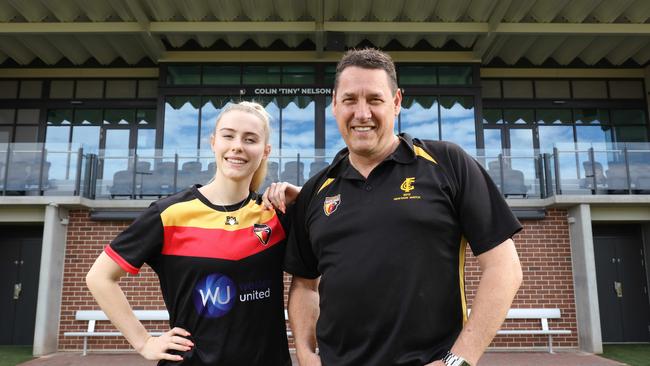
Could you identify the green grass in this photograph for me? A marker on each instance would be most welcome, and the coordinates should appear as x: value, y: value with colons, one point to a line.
x: 631, y: 354
x: 13, y: 355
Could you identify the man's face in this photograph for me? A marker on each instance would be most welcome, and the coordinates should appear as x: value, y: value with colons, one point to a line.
x: 365, y: 111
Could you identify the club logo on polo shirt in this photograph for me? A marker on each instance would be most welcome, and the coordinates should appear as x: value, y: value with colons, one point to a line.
x: 214, y: 295
x: 407, y: 185
x: 331, y: 204
x: 263, y: 233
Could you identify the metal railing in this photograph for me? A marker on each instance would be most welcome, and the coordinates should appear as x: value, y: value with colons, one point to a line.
x: 69, y: 170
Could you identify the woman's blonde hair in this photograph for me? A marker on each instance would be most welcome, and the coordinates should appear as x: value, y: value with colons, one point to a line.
x: 257, y: 110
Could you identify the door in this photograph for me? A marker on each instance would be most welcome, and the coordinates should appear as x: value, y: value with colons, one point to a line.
x: 621, y: 280
x: 20, y: 259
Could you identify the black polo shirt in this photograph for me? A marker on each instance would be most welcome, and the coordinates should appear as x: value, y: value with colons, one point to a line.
x: 390, y: 251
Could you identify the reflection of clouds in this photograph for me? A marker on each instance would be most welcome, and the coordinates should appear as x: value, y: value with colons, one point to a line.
x: 459, y: 131
x: 550, y: 135
x: 181, y: 127
x: 298, y: 126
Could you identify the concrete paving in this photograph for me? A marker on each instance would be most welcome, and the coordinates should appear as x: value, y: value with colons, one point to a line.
x: 566, y: 358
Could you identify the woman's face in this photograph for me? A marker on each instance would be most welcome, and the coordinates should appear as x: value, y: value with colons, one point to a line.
x: 239, y: 145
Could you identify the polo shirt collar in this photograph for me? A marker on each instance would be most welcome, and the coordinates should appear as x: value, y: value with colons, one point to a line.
x: 341, y: 167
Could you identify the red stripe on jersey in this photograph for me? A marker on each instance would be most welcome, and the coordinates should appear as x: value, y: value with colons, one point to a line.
x: 121, y: 261
x: 218, y: 243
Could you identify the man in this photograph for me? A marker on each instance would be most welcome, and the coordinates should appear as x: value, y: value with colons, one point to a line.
x: 378, y: 243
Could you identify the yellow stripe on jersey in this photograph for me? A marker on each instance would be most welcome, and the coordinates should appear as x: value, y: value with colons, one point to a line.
x: 195, y: 213
x: 420, y: 152
x: 327, y: 182
x: 461, y: 277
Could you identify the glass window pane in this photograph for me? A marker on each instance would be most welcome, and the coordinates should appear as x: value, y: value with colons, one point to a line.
x: 417, y: 75
x: 631, y: 133
x: 626, y: 89
x: 5, y: 134
x: 147, y: 88
x: 7, y: 116
x: 146, y: 141
x: 419, y: 117
x: 86, y: 137
x: 31, y: 89
x: 519, y: 116
x: 298, y: 123
x: 59, y: 117
x: 628, y: 117
x: 330, y: 74
x: 211, y: 108
x: 8, y: 89
x: 492, y: 139
x: 120, y: 89
x: 298, y: 74
x: 119, y: 117
x: 593, y: 116
x: 553, y: 116
x: 57, y: 134
x: 594, y: 134
x: 221, y: 75
x: 28, y: 116
x: 146, y: 117
x: 262, y: 75
x: 457, y: 122
x: 492, y: 117
x: 521, y: 139
x: 333, y: 140
x: 551, y: 135
x: 589, y: 89
x: 181, y: 124
x: 298, y: 79
x: 88, y: 117
x: 183, y: 75
x: 490, y: 88
x: 518, y: 89
x: 552, y: 89
x: 61, y: 89
x: 455, y: 75
x: 90, y: 89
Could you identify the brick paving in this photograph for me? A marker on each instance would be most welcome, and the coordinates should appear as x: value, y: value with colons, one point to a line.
x: 569, y: 358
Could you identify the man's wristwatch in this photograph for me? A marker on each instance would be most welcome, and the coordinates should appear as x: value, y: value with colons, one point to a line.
x: 451, y: 359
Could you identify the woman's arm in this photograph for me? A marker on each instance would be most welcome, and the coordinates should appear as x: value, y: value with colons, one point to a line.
x: 102, y: 280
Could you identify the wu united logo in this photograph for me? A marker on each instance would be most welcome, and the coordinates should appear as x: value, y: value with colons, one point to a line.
x: 331, y: 204
x: 407, y: 185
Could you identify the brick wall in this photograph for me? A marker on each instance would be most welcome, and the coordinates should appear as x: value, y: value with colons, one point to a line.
x: 543, y: 248
x: 545, y: 254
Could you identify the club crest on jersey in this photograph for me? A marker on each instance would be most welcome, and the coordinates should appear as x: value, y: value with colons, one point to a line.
x: 331, y: 204
x: 407, y: 185
x: 263, y: 233
x: 231, y: 220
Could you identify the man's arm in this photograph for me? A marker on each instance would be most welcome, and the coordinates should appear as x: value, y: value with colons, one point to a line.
x: 500, y: 280
x: 303, y: 314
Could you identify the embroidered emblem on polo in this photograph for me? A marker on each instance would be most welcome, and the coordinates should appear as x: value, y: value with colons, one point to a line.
x: 263, y: 233
x: 331, y: 204
x: 231, y: 220
x: 407, y: 185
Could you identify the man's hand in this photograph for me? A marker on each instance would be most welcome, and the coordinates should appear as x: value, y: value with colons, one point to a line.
x: 279, y: 195
x: 155, y: 348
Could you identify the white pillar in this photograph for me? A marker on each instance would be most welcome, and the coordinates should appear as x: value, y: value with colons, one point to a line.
x: 584, y: 279
x: 50, y: 282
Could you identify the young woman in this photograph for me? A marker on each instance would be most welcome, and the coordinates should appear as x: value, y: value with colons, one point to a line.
x: 218, y: 255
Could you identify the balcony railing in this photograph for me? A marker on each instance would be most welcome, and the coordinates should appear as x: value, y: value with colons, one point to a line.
x: 69, y: 170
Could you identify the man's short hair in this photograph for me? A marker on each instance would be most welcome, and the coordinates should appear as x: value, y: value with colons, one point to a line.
x: 368, y: 58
